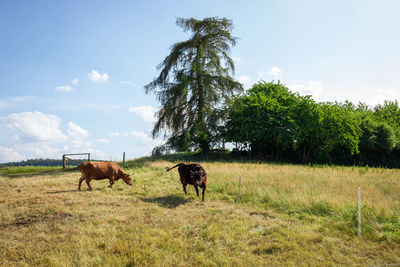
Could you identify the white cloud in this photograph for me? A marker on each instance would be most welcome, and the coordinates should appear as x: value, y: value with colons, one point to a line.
x: 7, y: 102
x: 114, y: 134
x: 9, y: 155
x: 96, y: 77
x: 313, y: 88
x: 146, y: 112
x: 38, y: 150
x: 103, y: 140
x: 65, y: 88
x: 76, y: 132
x: 142, y: 136
x: 245, y: 80
x: 275, y: 72
x: 68, y: 88
x: 34, y: 127
x: 77, y: 136
x: 383, y: 94
x: 97, y: 154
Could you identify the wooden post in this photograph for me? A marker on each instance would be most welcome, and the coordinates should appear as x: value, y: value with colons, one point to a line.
x: 359, y: 214
x: 240, y: 181
x: 64, y: 162
x: 123, y: 158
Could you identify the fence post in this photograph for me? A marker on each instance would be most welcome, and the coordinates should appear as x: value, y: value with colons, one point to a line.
x: 123, y: 158
x: 240, y: 181
x: 64, y: 163
x: 359, y: 214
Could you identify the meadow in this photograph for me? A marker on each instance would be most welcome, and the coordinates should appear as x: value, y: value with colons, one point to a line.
x: 289, y: 215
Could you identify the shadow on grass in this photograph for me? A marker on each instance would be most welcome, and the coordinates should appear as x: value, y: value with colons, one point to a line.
x: 38, y: 173
x: 169, y: 201
x: 62, y: 191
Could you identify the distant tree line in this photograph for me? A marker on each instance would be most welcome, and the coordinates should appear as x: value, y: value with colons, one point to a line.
x: 40, y: 162
x: 271, y: 122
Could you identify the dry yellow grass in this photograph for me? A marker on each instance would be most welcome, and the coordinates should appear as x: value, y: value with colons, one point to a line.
x: 289, y: 215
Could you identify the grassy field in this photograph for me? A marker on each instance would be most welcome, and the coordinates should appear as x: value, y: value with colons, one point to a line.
x: 289, y: 215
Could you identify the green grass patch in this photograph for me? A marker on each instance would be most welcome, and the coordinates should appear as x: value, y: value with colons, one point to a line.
x: 28, y: 170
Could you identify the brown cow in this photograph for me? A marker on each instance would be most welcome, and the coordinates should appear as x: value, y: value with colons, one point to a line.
x: 192, y: 173
x: 99, y: 170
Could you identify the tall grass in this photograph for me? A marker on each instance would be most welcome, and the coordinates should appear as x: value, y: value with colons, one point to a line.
x: 288, y: 215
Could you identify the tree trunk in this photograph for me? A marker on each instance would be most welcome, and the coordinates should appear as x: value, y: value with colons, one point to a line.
x: 308, y: 154
x: 305, y: 153
x: 204, y: 144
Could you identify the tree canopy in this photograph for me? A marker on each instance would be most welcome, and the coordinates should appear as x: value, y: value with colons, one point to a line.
x: 274, y: 123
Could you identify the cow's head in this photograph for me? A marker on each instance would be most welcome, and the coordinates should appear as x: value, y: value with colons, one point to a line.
x: 127, y: 179
x: 199, y: 177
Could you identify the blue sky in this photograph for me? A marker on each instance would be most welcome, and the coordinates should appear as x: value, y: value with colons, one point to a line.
x: 72, y: 72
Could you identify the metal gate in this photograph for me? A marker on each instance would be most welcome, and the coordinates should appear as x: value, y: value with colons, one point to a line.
x: 64, y: 158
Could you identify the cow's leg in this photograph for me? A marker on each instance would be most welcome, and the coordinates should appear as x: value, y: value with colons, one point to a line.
x: 111, y: 182
x: 184, y: 188
x: 197, y: 190
x: 88, y: 184
x: 204, y: 191
x: 80, y: 182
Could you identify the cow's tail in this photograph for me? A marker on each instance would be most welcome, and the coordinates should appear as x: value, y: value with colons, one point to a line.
x: 177, y: 165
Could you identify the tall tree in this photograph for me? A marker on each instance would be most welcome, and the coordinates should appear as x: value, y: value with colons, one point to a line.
x: 263, y: 118
x: 340, y: 129
x: 194, y: 81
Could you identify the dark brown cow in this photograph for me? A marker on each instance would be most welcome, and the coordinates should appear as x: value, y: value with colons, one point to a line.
x: 192, y: 173
x: 99, y: 170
